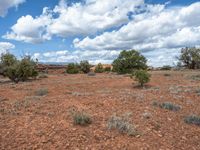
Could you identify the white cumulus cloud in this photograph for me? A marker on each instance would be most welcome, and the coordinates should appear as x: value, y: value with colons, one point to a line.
x: 6, y: 4
x: 5, y: 46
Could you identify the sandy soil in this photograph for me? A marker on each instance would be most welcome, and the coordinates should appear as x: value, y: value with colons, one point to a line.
x: 28, y: 121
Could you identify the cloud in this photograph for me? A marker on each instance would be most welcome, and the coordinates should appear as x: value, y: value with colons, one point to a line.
x: 167, y: 28
x: 69, y: 20
x: 5, y: 46
x: 6, y: 4
x: 107, y: 27
x: 31, y: 30
x: 76, y: 56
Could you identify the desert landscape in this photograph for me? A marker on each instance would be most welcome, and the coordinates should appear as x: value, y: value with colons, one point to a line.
x: 31, y: 120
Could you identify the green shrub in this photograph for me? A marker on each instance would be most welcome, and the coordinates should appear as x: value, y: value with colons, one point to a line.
x: 169, y: 106
x: 85, y: 66
x: 107, y: 69
x: 72, y: 68
x: 192, y: 120
x: 17, y: 70
x: 122, y: 124
x: 99, y: 68
x: 142, y: 76
x: 166, y: 67
x: 128, y: 61
x: 41, y: 92
x: 81, y: 118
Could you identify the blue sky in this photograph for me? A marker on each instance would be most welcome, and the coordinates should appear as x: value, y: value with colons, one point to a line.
x: 97, y: 30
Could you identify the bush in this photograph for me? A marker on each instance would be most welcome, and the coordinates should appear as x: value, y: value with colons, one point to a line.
x: 41, y: 92
x: 17, y: 70
x: 99, y: 68
x: 122, y: 124
x: 107, y: 69
x: 192, y: 120
x: 72, y: 68
x: 128, y: 61
x: 166, y: 67
x: 142, y: 76
x: 170, y: 106
x: 190, y: 58
x: 81, y: 118
x: 167, y: 105
x: 85, y: 66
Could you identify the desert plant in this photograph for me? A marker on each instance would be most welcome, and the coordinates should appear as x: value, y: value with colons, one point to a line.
x: 190, y: 57
x: 142, y: 76
x: 41, y: 92
x: 81, y: 118
x: 99, y: 68
x: 107, y: 69
x: 170, y: 106
x: 72, y: 68
x: 85, y: 66
x: 17, y: 70
x: 27, y: 68
x: 122, y: 124
x: 193, y: 119
x: 128, y: 61
x: 166, y: 67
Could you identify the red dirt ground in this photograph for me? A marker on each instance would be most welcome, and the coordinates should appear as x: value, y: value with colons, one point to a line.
x: 28, y: 121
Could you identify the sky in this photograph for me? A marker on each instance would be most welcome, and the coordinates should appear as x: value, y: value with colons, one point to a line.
x: 98, y: 30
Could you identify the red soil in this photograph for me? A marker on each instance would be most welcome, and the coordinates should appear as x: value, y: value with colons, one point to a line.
x: 31, y: 122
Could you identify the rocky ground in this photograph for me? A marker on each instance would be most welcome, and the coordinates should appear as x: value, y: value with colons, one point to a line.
x: 30, y: 121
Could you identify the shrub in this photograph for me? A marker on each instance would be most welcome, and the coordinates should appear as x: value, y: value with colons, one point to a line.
x: 17, y: 70
x: 190, y: 57
x: 41, y: 92
x: 27, y: 68
x: 128, y: 61
x: 99, y: 68
x: 107, y: 69
x: 81, y: 118
x: 122, y: 124
x: 85, y: 66
x: 166, y: 67
x: 72, y: 68
x: 169, y: 106
x: 192, y: 120
x: 142, y: 76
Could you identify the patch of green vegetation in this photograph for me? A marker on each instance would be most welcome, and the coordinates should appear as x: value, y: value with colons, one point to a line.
x: 167, y: 105
x: 122, y: 124
x: 81, y: 118
x: 193, y: 119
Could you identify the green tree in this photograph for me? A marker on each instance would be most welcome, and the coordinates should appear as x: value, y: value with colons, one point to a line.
x: 190, y: 57
x: 99, y: 68
x: 142, y: 76
x: 85, y: 66
x: 72, y: 68
x: 17, y: 70
x: 128, y: 61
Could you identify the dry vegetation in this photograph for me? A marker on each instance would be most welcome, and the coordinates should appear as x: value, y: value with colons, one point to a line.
x: 90, y: 112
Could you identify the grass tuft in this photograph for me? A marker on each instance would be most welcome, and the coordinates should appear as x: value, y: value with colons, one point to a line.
x: 41, y: 92
x: 193, y: 119
x: 122, y: 124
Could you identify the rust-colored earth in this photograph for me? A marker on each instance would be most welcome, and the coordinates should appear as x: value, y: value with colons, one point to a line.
x: 28, y: 121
